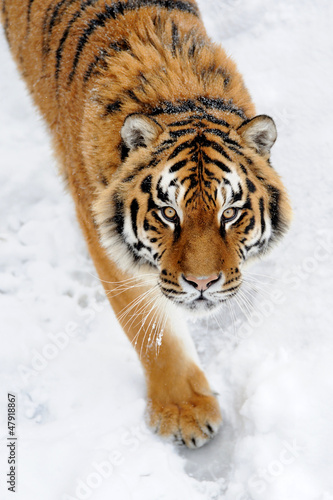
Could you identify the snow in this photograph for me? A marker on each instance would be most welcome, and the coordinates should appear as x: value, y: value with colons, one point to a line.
x: 79, y: 386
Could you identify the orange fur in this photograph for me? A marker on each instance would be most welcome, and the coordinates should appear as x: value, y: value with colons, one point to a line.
x: 86, y: 79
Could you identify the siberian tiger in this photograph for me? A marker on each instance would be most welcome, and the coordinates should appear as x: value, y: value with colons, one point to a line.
x: 157, y: 138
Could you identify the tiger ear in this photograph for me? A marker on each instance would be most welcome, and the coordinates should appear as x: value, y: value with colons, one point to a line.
x: 139, y: 131
x: 260, y: 133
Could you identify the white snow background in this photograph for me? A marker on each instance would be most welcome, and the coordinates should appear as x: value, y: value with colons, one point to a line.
x: 79, y: 385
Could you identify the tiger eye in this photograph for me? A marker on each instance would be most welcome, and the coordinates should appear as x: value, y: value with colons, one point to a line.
x: 230, y: 214
x: 169, y: 214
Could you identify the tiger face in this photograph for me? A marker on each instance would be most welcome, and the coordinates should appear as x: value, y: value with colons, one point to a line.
x: 193, y: 201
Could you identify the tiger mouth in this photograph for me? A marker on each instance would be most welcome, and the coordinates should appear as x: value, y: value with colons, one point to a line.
x: 203, y: 301
x: 201, y: 304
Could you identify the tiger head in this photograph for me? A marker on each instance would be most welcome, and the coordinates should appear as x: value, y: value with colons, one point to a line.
x: 193, y: 200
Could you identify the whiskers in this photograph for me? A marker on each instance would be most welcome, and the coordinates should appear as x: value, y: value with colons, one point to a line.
x: 149, y: 310
x: 145, y: 313
x: 118, y: 287
x: 255, y: 289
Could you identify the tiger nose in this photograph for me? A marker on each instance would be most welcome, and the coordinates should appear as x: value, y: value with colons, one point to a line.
x: 201, y: 283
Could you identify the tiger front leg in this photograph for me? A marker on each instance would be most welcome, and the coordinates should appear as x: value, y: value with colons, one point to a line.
x: 181, y: 405
x: 180, y: 402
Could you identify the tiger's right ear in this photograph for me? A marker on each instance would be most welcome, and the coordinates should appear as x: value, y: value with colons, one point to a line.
x: 260, y: 133
x: 139, y: 131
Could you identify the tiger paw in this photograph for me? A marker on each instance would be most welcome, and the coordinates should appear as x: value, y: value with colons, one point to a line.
x: 192, y: 423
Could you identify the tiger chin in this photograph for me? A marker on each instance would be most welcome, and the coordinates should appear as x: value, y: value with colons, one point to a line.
x: 169, y: 167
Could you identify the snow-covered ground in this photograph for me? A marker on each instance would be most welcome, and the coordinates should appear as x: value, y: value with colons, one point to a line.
x: 79, y: 386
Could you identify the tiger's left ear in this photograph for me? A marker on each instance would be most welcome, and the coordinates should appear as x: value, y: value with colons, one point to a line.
x: 260, y: 133
x: 139, y: 131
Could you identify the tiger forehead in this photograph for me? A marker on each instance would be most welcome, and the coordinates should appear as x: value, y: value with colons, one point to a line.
x: 201, y: 169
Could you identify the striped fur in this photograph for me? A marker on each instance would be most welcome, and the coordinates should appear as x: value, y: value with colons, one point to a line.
x: 168, y: 166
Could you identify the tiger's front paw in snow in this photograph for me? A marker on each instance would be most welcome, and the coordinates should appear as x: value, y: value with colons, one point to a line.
x: 192, y: 422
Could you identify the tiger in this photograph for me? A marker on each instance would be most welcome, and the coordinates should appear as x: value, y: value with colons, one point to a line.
x: 169, y: 167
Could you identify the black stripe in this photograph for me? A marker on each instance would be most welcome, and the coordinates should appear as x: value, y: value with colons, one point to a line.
x: 151, y: 164
x: 170, y: 108
x: 258, y: 244
x: 176, y: 234
x: 98, y: 59
x: 118, y: 46
x: 119, y: 9
x: 151, y: 204
x: 231, y: 289
x: 237, y: 196
x: 222, y: 230
x: 235, y: 150
x: 219, y: 149
x: 134, y: 215
x: 250, y: 225
x: 179, y: 149
x: 124, y: 152
x: 172, y: 292
x: 187, y: 121
x: 217, y: 121
x: 231, y: 281
x: 223, y: 136
x: 201, y: 140
x: 212, y: 177
x: 154, y: 214
x: 5, y: 21
x: 262, y: 215
x: 160, y: 193
x: 63, y: 39
x: 248, y: 204
x: 241, y: 254
x: 146, y: 184
x: 175, y: 38
x: 29, y: 15
x: 229, y: 184
x: 46, y: 48
x: 251, y: 187
x: 189, y: 105
x: 112, y: 107
x: 132, y: 95
x: 77, y: 15
x: 221, y: 105
x: 139, y: 246
x: 239, y: 220
x: 274, y: 209
x: 177, y: 166
x: 218, y: 163
x: 164, y: 280
x: 226, y: 81
x: 202, y: 116
x: 167, y: 144
x: 118, y: 218
x: 192, y: 48
x: 55, y: 17
x: 121, y: 45
x: 179, y: 133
